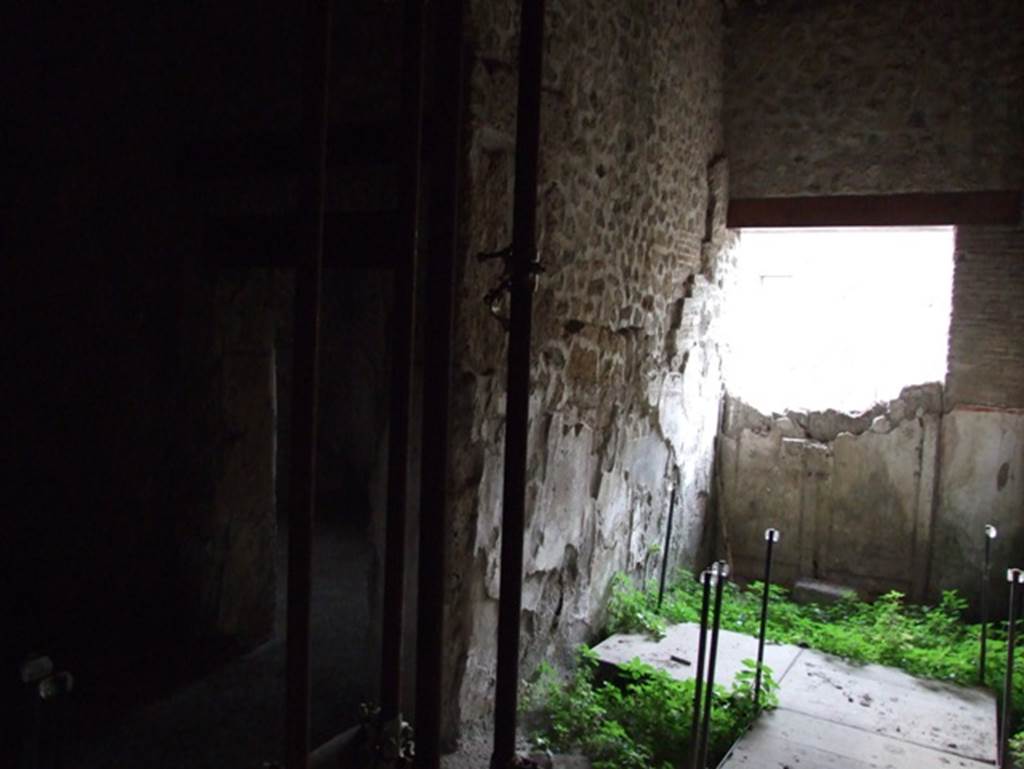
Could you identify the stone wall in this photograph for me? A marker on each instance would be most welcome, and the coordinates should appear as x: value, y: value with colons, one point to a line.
x: 851, y: 495
x: 625, y: 375
x: 884, y: 96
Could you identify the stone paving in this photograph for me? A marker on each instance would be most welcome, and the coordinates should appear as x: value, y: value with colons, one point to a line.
x: 833, y: 714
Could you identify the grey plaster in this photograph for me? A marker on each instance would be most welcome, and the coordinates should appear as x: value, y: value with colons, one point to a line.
x: 889, y: 702
x: 853, y: 495
x: 784, y: 739
x: 680, y: 643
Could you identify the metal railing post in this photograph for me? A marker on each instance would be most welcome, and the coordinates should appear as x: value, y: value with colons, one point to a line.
x: 1015, y: 577
x: 721, y: 572
x: 986, y: 578
x: 668, y: 542
x: 522, y: 267
x: 705, y: 579
x: 771, y: 537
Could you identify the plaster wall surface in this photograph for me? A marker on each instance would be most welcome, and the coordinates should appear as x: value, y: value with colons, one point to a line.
x: 625, y: 378
x: 982, y: 481
x: 898, y: 502
x: 884, y: 96
x: 851, y: 495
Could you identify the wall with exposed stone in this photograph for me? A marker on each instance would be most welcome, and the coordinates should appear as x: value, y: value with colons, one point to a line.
x: 625, y: 374
x: 883, y: 96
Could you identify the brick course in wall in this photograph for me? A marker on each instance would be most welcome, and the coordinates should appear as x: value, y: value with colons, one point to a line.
x: 986, y: 344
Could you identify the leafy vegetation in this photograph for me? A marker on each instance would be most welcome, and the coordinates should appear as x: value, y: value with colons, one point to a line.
x: 1017, y: 748
x: 642, y: 720
x: 931, y: 642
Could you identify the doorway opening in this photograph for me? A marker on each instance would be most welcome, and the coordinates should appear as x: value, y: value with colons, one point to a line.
x: 838, y: 318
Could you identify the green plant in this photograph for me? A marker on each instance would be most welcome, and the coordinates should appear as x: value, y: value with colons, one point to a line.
x: 633, y: 611
x: 927, y: 641
x: 1017, y: 748
x: 641, y: 719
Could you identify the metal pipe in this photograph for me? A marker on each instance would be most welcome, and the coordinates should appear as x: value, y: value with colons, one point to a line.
x: 986, y: 578
x: 698, y: 681
x: 771, y: 536
x: 668, y: 542
x: 305, y: 377
x: 402, y: 364
x: 1014, y: 577
x: 445, y: 146
x: 721, y: 573
x: 522, y: 266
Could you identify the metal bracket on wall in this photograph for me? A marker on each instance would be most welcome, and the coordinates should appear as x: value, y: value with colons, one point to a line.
x: 493, y: 298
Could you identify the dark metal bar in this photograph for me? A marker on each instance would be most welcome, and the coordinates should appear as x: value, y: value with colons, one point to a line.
x: 309, y: 268
x: 912, y: 209
x: 986, y: 578
x: 522, y: 266
x: 1014, y: 577
x: 668, y: 543
x: 698, y: 680
x: 720, y: 575
x: 771, y: 537
x: 402, y: 364
x: 444, y: 140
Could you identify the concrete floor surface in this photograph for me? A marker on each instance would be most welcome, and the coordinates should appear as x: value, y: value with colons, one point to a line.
x: 834, y: 714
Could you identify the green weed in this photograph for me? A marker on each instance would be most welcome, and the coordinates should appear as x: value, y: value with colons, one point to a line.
x: 642, y: 719
x: 927, y: 641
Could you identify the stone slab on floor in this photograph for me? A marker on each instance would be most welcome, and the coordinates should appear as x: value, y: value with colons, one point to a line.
x: 884, y: 701
x: 784, y: 739
x: 680, y: 643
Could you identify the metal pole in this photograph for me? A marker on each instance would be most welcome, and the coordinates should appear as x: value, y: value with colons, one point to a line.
x: 721, y: 574
x: 986, y: 578
x: 668, y: 542
x: 1014, y: 577
x: 522, y: 266
x: 309, y: 267
x: 446, y: 151
x: 402, y: 362
x: 698, y: 681
x: 771, y: 536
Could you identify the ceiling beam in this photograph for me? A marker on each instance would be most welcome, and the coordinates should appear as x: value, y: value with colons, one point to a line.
x: 907, y: 210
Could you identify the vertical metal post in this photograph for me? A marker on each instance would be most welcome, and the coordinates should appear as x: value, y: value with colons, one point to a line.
x: 402, y: 363
x: 309, y: 265
x: 1015, y: 577
x: 986, y: 578
x: 721, y: 574
x: 668, y: 543
x: 771, y: 536
x: 522, y: 266
x: 698, y: 681
x: 445, y: 143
